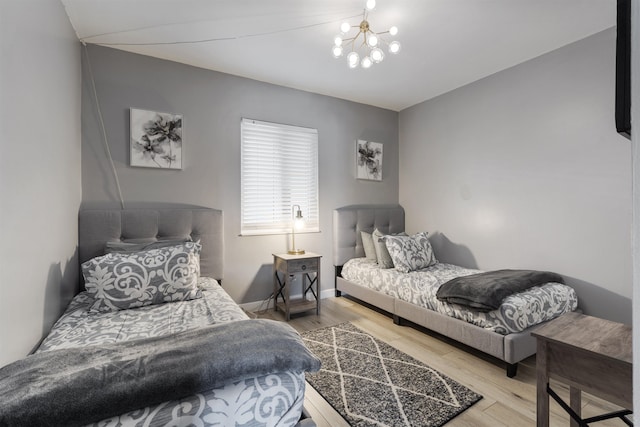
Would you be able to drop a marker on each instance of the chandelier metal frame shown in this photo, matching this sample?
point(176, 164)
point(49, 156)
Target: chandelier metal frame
point(371, 41)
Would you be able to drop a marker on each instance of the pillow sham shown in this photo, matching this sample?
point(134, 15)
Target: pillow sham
point(119, 281)
point(369, 248)
point(410, 253)
point(382, 254)
point(128, 247)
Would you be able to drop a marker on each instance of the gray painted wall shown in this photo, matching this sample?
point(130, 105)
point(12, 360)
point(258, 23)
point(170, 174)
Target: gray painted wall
point(213, 104)
point(524, 169)
point(635, 120)
point(40, 188)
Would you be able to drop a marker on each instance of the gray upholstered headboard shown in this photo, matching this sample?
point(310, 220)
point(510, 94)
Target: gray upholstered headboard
point(349, 221)
point(96, 227)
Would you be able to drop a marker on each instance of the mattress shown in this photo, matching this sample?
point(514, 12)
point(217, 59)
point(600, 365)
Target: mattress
point(516, 313)
point(271, 400)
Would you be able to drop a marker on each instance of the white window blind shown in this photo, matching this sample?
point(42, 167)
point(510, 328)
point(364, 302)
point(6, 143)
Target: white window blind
point(279, 170)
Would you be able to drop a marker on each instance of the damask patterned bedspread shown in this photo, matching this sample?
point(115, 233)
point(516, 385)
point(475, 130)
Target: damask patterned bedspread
point(271, 400)
point(516, 313)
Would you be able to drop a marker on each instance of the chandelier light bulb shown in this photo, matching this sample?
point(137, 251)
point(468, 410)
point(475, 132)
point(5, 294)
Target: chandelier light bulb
point(377, 55)
point(337, 51)
point(366, 62)
point(338, 41)
point(352, 59)
point(345, 27)
point(371, 4)
point(394, 47)
point(372, 40)
point(393, 30)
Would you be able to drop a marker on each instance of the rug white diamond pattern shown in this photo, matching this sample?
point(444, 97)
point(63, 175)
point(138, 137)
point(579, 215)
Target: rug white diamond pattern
point(374, 384)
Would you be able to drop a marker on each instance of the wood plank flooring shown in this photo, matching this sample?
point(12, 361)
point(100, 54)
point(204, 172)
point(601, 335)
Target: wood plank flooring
point(508, 402)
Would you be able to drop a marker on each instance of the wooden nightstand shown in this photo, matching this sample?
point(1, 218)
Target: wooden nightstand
point(586, 353)
point(285, 267)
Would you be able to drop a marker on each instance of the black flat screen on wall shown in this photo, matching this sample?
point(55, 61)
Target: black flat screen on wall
point(623, 68)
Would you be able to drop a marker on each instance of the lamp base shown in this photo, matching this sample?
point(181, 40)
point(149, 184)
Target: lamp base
point(296, 252)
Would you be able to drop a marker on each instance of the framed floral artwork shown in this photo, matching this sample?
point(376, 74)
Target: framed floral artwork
point(156, 139)
point(368, 160)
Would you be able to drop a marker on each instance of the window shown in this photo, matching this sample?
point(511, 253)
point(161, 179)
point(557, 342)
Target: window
point(279, 170)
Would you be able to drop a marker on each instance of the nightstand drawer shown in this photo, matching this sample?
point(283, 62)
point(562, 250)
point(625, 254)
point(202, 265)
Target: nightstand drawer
point(303, 265)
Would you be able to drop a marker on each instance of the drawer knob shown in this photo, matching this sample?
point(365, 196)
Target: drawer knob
point(304, 267)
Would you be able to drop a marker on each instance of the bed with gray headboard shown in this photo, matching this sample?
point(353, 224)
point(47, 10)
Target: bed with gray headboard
point(371, 287)
point(153, 338)
point(96, 227)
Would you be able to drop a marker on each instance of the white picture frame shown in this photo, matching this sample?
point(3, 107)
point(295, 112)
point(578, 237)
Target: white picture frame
point(369, 160)
point(156, 139)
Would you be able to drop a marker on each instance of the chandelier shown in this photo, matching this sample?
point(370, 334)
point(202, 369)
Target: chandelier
point(368, 45)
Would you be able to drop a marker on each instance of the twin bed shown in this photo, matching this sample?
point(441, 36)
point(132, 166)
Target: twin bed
point(157, 356)
point(183, 353)
point(503, 332)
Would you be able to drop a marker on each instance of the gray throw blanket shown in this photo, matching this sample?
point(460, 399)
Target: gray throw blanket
point(75, 386)
point(486, 291)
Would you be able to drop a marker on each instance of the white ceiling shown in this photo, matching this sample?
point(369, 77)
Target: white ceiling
point(445, 43)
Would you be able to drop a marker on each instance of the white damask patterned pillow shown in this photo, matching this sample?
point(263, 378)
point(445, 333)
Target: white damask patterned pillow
point(410, 253)
point(120, 281)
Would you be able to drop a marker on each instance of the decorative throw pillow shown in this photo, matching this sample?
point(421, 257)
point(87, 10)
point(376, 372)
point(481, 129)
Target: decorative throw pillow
point(382, 254)
point(120, 281)
point(410, 253)
point(369, 248)
point(128, 247)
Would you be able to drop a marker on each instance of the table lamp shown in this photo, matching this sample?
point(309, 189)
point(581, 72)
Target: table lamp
point(298, 222)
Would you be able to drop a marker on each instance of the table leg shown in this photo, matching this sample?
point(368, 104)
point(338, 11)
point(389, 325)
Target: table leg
point(275, 287)
point(542, 381)
point(575, 402)
point(318, 289)
point(304, 286)
point(278, 289)
point(287, 286)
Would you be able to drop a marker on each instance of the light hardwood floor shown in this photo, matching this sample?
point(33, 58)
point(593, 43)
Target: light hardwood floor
point(506, 401)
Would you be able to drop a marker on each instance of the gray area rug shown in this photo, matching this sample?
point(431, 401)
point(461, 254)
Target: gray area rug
point(371, 383)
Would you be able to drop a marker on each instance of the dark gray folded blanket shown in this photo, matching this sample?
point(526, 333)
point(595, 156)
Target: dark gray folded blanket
point(486, 291)
point(81, 385)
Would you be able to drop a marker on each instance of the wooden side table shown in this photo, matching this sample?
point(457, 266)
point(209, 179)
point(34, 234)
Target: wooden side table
point(589, 354)
point(285, 268)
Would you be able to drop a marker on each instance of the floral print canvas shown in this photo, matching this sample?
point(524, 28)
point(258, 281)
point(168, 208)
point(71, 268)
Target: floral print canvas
point(369, 160)
point(156, 139)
